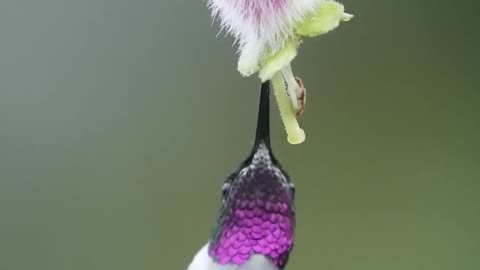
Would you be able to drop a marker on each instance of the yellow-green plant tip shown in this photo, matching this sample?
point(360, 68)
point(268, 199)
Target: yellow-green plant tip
point(297, 138)
point(324, 19)
point(272, 64)
point(295, 135)
point(247, 65)
point(347, 17)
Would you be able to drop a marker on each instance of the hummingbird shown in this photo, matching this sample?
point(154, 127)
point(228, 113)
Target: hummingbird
point(255, 226)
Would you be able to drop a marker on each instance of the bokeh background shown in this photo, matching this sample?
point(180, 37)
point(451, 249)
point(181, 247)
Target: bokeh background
point(119, 121)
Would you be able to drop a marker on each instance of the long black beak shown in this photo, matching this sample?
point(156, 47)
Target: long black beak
point(263, 122)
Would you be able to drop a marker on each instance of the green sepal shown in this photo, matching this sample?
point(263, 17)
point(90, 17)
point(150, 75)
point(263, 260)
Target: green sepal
point(273, 63)
point(324, 19)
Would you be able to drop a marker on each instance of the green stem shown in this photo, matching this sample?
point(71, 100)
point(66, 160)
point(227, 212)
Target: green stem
point(295, 135)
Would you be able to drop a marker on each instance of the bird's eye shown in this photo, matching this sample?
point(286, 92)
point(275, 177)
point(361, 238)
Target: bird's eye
point(225, 189)
point(292, 188)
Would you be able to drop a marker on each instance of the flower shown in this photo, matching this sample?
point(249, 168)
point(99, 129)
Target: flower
point(268, 33)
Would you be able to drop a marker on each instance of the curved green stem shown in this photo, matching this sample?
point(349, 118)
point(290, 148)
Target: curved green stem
point(295, 135)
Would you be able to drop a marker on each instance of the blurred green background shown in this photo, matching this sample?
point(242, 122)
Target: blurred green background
point(119, 121)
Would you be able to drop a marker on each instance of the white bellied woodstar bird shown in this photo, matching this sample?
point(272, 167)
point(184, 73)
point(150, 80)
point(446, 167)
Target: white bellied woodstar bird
point(255, 225)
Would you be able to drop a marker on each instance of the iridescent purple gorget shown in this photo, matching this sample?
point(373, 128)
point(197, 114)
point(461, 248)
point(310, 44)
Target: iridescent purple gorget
point(257, 214)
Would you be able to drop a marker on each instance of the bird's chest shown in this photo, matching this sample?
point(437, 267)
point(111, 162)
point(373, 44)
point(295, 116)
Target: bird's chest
point(203, 261)
point(255, 262)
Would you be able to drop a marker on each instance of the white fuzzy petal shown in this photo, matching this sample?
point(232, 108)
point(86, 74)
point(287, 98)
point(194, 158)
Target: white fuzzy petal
point(271, 28)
